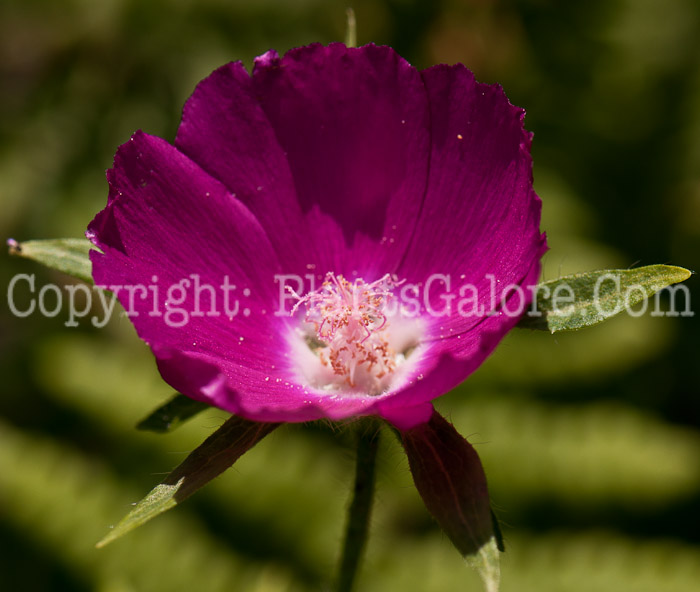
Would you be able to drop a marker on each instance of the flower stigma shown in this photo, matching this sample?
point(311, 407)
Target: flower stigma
point(356, 342)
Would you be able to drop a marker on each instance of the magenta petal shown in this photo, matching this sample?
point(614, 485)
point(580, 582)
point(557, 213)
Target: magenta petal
point(354, 126)
point(480, 220)
point(449, 361)
point(225, 131)
point(266, 394)
point(168, 222)
point(166, 216)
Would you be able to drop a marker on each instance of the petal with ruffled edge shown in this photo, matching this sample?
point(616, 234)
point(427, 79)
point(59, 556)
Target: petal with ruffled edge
point(226, 132)
point(167, 225)
point(170, 231)
point(481, 204)
point(354, 125)
point(445, 364)
point(479, 226)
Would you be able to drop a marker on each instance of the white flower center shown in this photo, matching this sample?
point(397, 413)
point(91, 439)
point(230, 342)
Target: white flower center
point(352, 336)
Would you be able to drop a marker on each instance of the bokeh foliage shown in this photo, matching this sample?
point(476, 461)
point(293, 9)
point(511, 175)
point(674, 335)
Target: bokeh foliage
point(591, 440)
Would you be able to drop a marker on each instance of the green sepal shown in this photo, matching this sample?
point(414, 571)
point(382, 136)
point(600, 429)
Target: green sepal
point(584, 299)
point(68, 255)
point(171, 414)
point(216, 454)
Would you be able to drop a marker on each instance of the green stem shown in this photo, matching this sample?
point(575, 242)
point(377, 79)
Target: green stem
point(360, 507)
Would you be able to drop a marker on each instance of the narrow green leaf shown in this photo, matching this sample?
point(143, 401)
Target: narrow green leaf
point(216, 454)
point(171, 414)
point(585, 299)
point(69, 255)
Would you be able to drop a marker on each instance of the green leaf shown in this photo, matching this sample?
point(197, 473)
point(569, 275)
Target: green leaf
point(585, 299)
point(171, 414)
point(216, 454)
point(68, 255)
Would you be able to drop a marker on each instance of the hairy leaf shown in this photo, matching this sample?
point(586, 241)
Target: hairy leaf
point(68, 255)
point(585, 299)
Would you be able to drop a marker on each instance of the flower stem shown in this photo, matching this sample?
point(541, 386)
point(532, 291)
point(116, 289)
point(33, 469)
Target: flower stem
point(360, 507)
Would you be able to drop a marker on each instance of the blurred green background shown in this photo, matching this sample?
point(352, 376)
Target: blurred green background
point(591, 441)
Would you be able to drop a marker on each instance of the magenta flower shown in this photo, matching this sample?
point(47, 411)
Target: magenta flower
point(337, 234)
